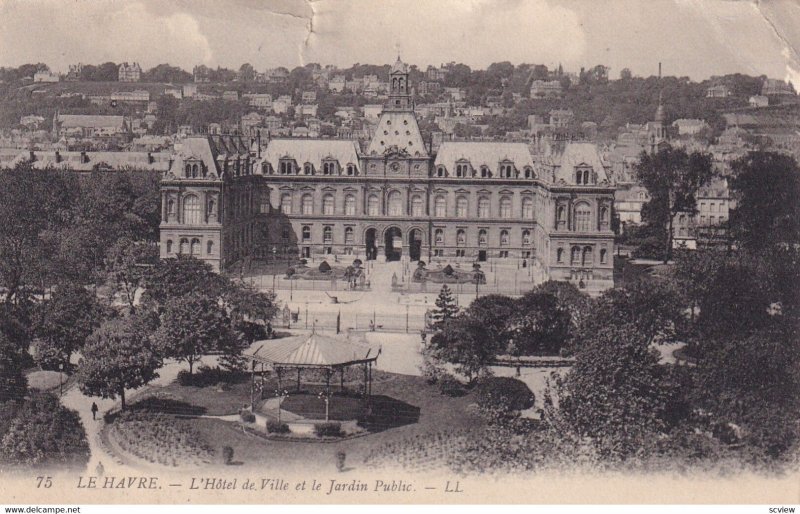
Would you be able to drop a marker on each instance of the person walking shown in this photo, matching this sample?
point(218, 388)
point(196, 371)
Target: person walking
point(94, 411)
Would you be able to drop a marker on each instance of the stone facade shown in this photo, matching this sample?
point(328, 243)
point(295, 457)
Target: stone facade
point(471, 201)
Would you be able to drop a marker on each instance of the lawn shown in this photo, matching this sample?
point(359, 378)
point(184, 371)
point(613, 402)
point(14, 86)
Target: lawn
point(404, 408)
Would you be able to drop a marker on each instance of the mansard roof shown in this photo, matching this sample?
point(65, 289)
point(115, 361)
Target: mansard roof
point(397, 130)
point(483, 153)
point(575, 155)
point(211, 150)
point(311, 150)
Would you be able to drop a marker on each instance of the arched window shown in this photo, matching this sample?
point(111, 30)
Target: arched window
point(440, 206)
point(439, 236)
point(583, 217)
point(307, 204)
point(395, 204)
point(462, 170)
point(417, 207)
point(527, 208)
point(586, 176)
point(170, 206)
point(327, 205)
point(210, 247)
point(485, 173)
point(529, 172)
point(308, 169)
point(350, 205)
point(560, 255)
point(576, 255)
point(184, 248)
point(169, 245)
point(191, 210)
point(351, 170)
point(482, 237)
point(560, 213)
point(211, 206)
point(194, 171)
point(188, 170)
point(483, 207)
point(505, 207)
point(306, 233)
point(603, 213)
point(327, 234)
point(373, 205)
point(603, 256)
point(461, 237)
point(286, 203)
point(587, 256)
point(526, 237)
point(579, 177)
point(440, 171)
point(462, 206)
point(504, 238)
point(348, 235)
point(506, 170)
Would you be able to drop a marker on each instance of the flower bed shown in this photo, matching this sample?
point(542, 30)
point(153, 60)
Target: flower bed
point(161, 439)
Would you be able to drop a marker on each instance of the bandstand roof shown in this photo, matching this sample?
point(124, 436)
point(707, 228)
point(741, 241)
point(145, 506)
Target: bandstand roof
point(311, 350)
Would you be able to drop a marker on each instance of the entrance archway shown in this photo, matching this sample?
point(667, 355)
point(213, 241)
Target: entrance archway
point(415, 244)
point(371, 249)
point(393, 239)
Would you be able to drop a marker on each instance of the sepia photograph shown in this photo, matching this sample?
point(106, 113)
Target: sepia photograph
point(288, 252)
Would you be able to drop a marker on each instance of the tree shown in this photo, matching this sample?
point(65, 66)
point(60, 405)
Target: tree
point(654, 307)
point(247, 73)
point(672, 177)
point(577, 303)
point(463, 342)
point(127, 263)
point(171, 278)
point(33, 203)
point(614, 393)
point(191, 326)
point(13, 383)
point(494, 312)
point(117, 356)
point(767, 186)
point(625, 74)
point(68, 318)
point(446, 307)
point(539, 325)
point(753, 381)
point(44, 433)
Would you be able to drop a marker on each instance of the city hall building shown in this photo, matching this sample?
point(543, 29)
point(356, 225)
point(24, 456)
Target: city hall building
point(392, 200)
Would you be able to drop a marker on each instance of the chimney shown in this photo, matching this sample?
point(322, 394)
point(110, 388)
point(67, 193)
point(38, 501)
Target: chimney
point(659, 70)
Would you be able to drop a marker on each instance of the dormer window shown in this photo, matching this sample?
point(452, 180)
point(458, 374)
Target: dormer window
point(329, 167)
point(193, 169)
point(528, 172)
point(351, 170)
point(583, 176)
point(441, 171)
point(485, 173)
point(286, 167)
point(308, 169)
point(506, 169)
point(462, 169)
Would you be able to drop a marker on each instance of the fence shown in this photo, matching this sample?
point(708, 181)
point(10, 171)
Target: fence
point(330, 321)
point(281, 283)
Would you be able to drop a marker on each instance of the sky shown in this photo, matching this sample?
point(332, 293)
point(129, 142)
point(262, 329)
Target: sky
point(695, 38)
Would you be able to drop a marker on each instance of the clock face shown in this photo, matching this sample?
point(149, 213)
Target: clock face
point(394, 166)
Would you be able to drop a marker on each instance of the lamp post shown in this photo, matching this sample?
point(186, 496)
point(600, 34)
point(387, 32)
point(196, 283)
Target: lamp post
point(281, 395)
point(326, 397)
point(61, 379)
point(406, 318)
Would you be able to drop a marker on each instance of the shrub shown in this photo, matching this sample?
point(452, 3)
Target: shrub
point(328, 429)
point(324, 267)
point(448, 270)
point(450, 385)
point(340, 460)
point(273, 427)
point(227, 455)
point(290, 272)
point(505, 394)
point(247, 416)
